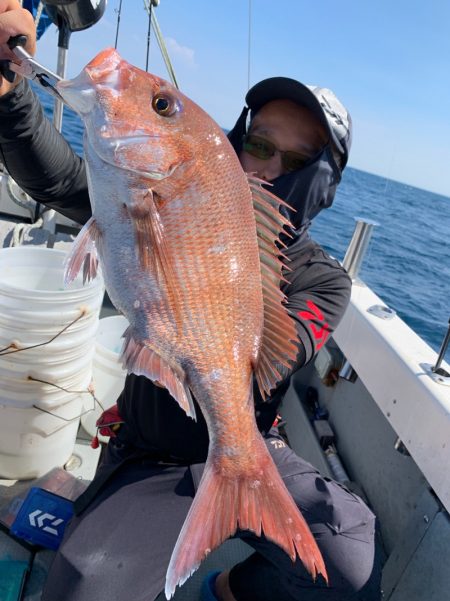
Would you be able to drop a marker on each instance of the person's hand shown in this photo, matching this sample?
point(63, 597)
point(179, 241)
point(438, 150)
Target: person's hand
point(222, 586)
point(14, 20)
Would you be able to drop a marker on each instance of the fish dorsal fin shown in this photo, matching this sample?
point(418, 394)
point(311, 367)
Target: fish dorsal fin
point(279, 339)
point(83, 254)
point(143, 361)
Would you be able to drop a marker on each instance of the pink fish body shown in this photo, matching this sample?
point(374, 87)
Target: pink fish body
point(187, 250)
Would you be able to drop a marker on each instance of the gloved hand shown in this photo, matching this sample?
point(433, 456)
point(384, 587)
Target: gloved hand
point(14, 20)
point(107, 424)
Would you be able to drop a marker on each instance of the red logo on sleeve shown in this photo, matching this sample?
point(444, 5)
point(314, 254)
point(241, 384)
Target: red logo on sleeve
point(317, 324)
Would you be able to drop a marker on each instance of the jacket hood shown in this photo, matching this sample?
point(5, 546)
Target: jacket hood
point(307, 191)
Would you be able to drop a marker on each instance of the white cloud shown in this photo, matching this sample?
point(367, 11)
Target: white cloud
point(183, 53)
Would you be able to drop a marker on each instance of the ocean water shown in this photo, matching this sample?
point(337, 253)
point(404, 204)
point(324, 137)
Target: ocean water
point(408, 260)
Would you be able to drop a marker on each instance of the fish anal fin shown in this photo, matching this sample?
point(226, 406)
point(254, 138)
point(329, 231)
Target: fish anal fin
point(257, 501)
point(83, 254)
point(143, 361)
point(280, 337)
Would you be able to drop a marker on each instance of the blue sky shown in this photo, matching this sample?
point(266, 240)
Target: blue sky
point(388, 62)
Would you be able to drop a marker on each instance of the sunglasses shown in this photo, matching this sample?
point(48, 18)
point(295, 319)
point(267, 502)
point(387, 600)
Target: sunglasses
point(264, 150)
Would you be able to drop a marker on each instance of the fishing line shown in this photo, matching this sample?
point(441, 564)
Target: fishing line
point(5, 351)
point(119, 12)
point(150, 13)
point(249, 41)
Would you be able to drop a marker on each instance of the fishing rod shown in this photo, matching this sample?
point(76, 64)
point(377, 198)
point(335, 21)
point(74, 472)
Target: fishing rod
point(149, 8)
point(119, 12)
point(160, 40)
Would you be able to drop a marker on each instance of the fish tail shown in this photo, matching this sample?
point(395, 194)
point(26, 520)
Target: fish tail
point(223, 504)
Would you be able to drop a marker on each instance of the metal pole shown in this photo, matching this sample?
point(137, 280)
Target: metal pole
point(358, 246)
point(61, 71)
point(49, 216)
point(443, 350)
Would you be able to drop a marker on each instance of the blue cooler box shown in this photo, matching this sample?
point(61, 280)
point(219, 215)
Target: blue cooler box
point(42, 518)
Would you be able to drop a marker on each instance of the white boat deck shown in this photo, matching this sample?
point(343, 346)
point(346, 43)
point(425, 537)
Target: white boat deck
point(395, 366)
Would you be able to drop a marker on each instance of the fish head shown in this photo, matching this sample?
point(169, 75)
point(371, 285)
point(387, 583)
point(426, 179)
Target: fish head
point(137, 121)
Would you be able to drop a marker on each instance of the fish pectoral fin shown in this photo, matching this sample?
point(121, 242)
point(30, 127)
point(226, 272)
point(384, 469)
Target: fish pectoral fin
point(83, 254)
point(259, 503)
point(279, 344)
point(152, 248)
point(143, 361)
point(151, 244)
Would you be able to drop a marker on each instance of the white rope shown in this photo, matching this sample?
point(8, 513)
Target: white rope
point(40, 7)
point(38, 13)
point(21, 230)
point(18, 234)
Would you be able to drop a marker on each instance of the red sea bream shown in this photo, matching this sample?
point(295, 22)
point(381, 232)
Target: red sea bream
point(186, 243)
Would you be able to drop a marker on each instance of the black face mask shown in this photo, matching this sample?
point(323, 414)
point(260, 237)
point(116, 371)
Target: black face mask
point(308, 190)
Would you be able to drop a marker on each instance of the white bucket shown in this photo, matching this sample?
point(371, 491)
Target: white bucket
point(35, 308)
point(38, 273)
point(108, 375)
point(44, 384)
point(33, 442)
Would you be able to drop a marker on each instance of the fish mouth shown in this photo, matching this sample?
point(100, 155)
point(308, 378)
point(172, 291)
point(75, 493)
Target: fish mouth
point(115, 146)
point(77, 94)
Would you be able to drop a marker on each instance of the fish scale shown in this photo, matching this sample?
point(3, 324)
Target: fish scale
point(188, 246)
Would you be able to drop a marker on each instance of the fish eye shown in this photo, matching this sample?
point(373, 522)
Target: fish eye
point(164, 105)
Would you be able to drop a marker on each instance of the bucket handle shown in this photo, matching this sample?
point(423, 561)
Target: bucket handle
point(90, 391)
point(14, 348)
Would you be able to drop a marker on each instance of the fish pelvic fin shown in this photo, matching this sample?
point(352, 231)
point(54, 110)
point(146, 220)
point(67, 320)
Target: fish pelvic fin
point(143, 361)
point(224, 503)
point(83, 254)
point(279, 344)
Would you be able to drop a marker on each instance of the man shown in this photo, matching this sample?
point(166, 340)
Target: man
point(119, 544)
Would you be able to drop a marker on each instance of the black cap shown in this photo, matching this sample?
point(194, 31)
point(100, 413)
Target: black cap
point(320, 101)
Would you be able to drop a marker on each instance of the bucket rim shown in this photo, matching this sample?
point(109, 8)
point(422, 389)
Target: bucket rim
point(97, 282)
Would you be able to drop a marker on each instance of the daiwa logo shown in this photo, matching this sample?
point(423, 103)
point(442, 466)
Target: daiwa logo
point(38, 518)
point(317, 324)
point(42, 518)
